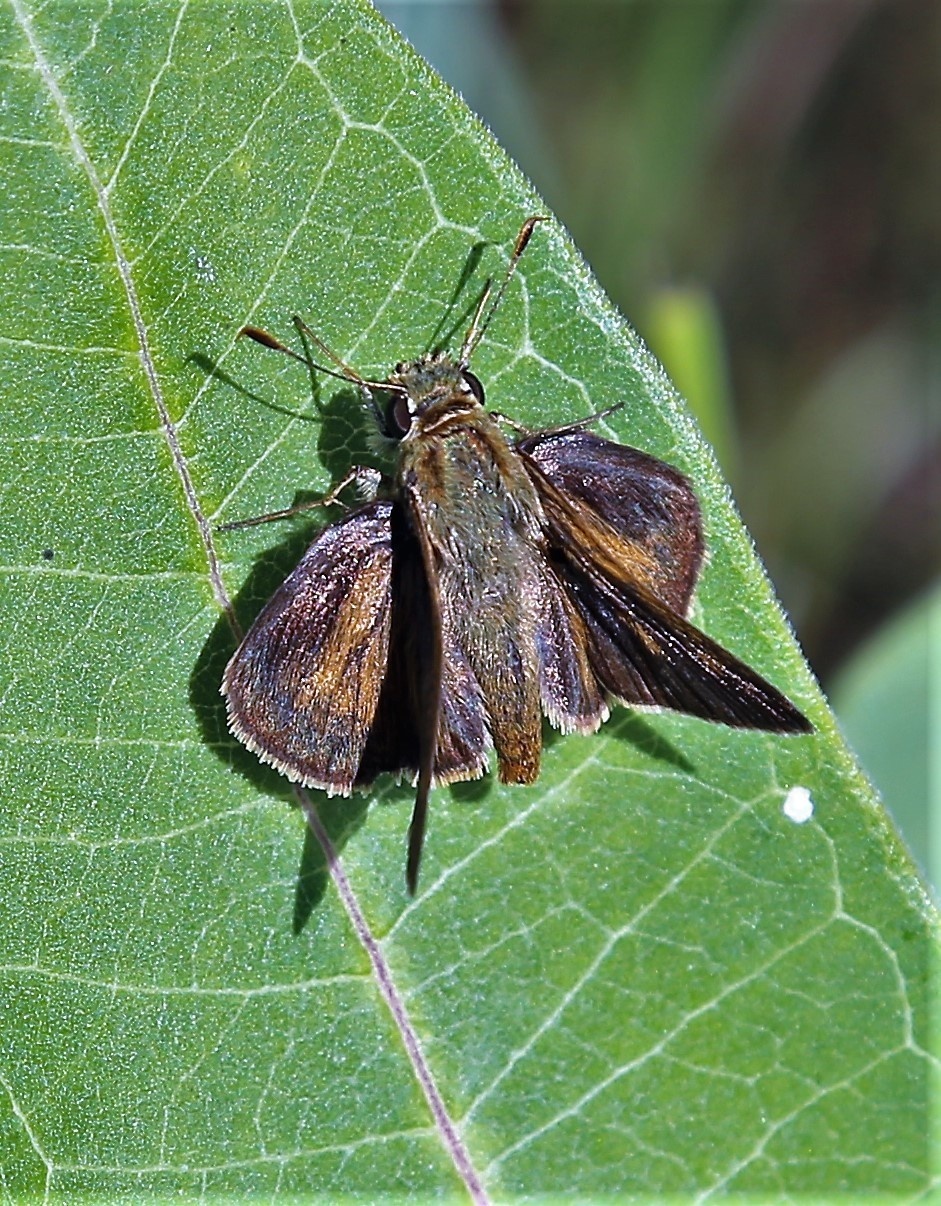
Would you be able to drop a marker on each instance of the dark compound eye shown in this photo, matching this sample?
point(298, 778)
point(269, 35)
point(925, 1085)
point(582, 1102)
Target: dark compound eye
point(398, 417)
point(473, 382)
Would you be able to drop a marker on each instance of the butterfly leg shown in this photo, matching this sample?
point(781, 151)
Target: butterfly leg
point(519, 428)
point(367, 480)
point(582, 424)
point(563, 429)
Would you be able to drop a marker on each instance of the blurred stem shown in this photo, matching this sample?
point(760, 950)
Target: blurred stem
point(685, 332)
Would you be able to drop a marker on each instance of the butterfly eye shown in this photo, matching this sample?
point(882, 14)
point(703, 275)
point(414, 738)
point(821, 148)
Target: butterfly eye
point(473, 383)
point(398, 416)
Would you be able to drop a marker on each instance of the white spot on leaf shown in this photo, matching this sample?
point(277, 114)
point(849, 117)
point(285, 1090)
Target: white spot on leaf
point(798, 806)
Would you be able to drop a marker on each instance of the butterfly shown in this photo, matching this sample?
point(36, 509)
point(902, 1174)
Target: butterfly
point(497, 577)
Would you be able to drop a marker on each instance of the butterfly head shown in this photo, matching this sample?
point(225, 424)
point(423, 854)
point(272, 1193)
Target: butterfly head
point(434, 381)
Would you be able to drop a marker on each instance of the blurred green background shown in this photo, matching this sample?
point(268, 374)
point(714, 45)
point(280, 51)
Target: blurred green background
point(757, 185)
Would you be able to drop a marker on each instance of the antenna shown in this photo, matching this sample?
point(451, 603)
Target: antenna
point(346, 372)
point(479, 325)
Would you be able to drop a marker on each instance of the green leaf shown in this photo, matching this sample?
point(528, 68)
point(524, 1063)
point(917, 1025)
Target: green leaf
point(636, 976)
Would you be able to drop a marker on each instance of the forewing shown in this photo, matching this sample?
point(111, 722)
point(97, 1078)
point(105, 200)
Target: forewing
point(394, 740)
point(428, 697)
point(649, 504)
point(429, 720)
point(302, 688)
point(642, 651)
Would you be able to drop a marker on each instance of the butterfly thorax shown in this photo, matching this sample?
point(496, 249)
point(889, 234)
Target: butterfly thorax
point(455, 454)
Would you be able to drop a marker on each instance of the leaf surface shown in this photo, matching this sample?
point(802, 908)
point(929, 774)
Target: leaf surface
point(636, 976)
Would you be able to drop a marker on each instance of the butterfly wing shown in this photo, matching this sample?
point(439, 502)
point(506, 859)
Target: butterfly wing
point(571, 696)
point(454, 732)
point(649, 503)
point(641, 648)
point(429, 720)
point(302, 688)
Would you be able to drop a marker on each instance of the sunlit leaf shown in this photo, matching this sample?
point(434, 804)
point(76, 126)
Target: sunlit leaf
point(636, 976)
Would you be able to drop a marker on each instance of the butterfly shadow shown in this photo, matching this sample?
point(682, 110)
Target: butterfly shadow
point(633, 728)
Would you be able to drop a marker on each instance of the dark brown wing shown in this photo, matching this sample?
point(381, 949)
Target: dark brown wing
point(641, 650)
point(571, 695)
point(393, 742)
point(302, 688)
point(430, 719)
point(649, 503)
point(428, 701)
